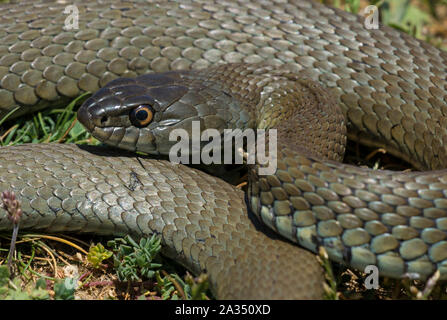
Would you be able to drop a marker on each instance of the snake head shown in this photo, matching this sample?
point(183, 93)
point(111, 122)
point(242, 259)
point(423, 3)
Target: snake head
point(138, 114)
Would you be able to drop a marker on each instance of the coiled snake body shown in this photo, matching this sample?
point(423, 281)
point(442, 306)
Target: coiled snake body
point(392, 93)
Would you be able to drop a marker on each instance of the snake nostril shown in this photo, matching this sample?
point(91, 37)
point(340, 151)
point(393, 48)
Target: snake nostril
point(104, 120)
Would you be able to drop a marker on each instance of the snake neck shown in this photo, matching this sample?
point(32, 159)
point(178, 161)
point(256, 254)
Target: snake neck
point(306, 117)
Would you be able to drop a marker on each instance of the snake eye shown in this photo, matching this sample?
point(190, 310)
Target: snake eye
point(142, 115)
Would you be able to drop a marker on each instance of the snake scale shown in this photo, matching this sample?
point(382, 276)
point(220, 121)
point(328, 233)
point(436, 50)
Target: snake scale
point(252, 58)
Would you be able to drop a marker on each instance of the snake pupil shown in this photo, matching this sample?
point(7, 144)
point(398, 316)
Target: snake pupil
point(141, 115)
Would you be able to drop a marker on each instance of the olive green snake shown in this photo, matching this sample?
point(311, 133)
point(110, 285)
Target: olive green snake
point(391, 89)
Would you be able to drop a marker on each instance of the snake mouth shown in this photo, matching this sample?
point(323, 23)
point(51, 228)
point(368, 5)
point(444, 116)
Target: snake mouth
point(125, 137)
point(88, 121)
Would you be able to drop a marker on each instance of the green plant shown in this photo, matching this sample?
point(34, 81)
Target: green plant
point(166, 287)
point(404, 16)
point(171, 286)
point(56, 125)
point(134, 261)
point(97, 254)
point(65, 289)
point(196, 288)
point(12, 289)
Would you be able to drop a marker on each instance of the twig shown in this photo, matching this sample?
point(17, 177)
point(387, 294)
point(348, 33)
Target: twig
point(44, 236)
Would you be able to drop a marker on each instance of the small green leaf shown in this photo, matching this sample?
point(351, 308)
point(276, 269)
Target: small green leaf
point(64, 290)
point(196, 288)
point(135, 260)
point(77, 130)
point(4, 275)
point(41, 284)
point(97, 254)
point(39, 294)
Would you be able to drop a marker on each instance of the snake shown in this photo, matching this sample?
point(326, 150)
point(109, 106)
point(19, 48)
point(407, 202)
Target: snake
point(316, 74)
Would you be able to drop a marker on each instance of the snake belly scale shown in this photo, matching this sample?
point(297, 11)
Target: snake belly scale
point(391, 89)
